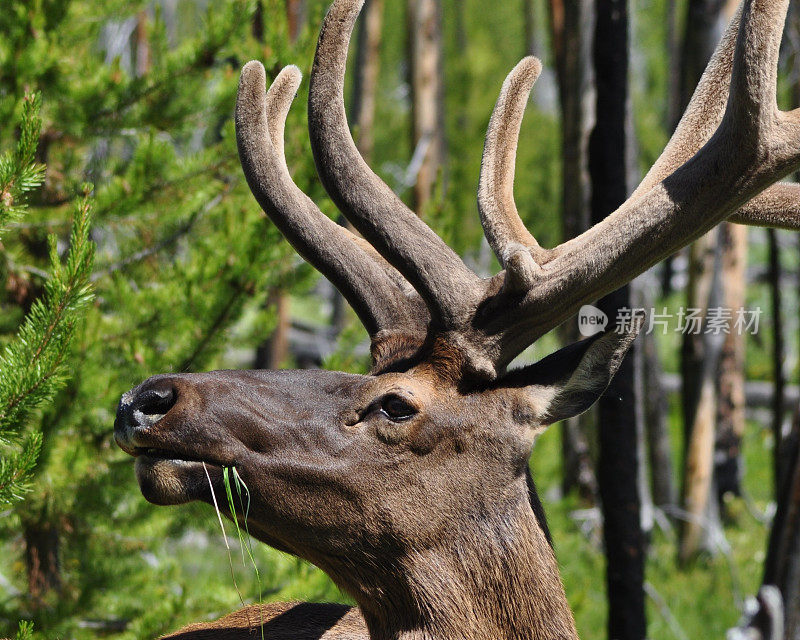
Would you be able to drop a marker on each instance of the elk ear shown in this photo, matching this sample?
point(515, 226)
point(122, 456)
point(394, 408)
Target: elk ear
point(568, 382)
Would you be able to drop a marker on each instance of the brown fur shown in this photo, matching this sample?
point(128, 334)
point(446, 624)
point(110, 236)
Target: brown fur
point(281, 621)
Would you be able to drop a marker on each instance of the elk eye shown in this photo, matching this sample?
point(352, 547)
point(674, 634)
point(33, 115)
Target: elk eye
point(397, 408)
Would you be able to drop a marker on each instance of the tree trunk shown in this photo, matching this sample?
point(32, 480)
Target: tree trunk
point(427, 93)
point(701, 525)
point(731, 405)
point(778, 354)
point(699, 39)
point(142, 57)
point(296, 17)
point(674, 112)
point(366, 77)
point(274, 352)
point(665, 493)
point(531, 44)
point(702, 258)
point(571, 29)
point(42, 557)
point(640, 300)
point(618, 464)
point(257, 24)
point(782, 567)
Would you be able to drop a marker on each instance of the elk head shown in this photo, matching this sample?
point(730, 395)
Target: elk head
point(396, 481)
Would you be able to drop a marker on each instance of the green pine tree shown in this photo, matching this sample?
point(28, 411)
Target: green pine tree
point(35, 363)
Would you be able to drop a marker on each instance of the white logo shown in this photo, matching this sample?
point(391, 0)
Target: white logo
point(591, 321)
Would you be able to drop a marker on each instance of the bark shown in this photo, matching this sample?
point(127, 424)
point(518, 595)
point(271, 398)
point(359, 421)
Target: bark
point(698, 478)
point(142, 45)
point(42, 561)
point(778, 354)
point(699, 39)
point(665, 493)
point(702, 257)
point(257, 25)
point(646, 510)
point(701, 525)
point(570, 26)
point(274, 352)
point(296, 17)
point(674, 111)
point(731, 405)
point(427, 93)
point(618, 463)
point(704, 26)
point(782, 567)
point(366, 77)
point(578, 467)
point(531, 43)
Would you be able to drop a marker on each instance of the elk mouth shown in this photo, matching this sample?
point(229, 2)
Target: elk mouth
point(168, 477)
point(147, 454)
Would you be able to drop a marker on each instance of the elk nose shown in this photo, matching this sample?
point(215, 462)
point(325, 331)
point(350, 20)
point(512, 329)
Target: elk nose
point(142, 408)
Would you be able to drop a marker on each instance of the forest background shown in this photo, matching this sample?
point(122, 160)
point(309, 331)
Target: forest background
point(130, 246)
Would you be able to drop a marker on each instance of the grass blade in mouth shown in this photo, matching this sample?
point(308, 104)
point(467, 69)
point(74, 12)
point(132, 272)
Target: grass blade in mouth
point(222, 526)
point(244, 541)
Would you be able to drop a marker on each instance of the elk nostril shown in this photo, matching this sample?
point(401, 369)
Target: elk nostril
point(154, 402)
point(144, 409)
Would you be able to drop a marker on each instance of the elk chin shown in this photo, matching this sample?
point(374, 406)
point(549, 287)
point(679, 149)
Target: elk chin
point(167, 482)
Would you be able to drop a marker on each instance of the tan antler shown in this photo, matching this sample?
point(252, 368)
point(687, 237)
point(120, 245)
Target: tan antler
point(382, 299)
point(731, 145)
point(450, 289)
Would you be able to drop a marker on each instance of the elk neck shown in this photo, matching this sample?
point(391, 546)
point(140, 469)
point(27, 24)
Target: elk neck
point(494, 577)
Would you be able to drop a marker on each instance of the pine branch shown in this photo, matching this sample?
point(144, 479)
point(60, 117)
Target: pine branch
point(19, 173)
point(34, 365)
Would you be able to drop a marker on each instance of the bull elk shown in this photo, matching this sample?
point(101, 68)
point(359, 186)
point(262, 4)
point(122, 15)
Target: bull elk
point(410, 486)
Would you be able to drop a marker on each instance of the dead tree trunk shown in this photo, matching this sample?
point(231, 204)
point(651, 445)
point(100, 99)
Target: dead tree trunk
point(427, 93)
point(531, 44)
point(618, 464)
point(571, 29)
point(731, 404)
point(782, 567)
point(274, 352)
point(296, 17)
point(778, 354)
point(366, 77)
point(42, 555)
point(665, 493)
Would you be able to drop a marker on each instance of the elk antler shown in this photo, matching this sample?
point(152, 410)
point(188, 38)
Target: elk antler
point(448, 287)
point(382, 299)
point(731, 145)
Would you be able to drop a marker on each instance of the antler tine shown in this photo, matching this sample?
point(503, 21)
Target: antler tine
point(369, 286)
point(779, 205)
point(752, 104)
point(514, 246)
point(448, 287)
point(704, 112)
